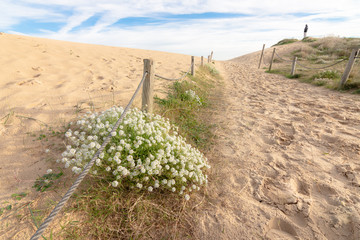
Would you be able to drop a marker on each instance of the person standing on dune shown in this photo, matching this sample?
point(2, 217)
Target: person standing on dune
point(305, 30)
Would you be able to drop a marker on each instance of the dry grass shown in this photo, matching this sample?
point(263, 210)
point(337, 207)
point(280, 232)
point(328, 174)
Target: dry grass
point(124, 213)
point(319, 53)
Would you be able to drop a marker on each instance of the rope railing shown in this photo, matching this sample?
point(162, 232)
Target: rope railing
point(175, 79)
point(320, 68)
point(266, 64)
point(87, 168)
point(351, 60)
point(282, 58)
point(146, 106)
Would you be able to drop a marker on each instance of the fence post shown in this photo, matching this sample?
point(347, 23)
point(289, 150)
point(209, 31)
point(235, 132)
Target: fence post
point(147, 92)
point(293, 66)
point(208, 58)
point(211, 55)
point(262, 53)
point(272, 59)
point(349, 66)
point(202, 61)
point(192, 66)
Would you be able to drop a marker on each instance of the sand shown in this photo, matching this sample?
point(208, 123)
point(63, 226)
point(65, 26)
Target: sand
point(285, 164)
point(47, 83)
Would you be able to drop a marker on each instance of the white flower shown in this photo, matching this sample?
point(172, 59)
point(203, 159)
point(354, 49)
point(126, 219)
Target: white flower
point(76, 170)
point(47, 150)
point(187, 197)
point(115, 183)
point(145, 150)
point(49, 171)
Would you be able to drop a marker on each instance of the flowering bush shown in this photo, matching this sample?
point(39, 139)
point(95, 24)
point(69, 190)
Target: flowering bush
point(145, 152)
point(192, 96)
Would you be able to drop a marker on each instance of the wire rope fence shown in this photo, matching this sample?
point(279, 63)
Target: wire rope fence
point(351, 60)
point(321, 68)
point(86, 169)
point(147, 98)
point(176, 79)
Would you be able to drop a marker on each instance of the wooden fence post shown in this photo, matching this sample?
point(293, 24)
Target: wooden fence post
point(262, 53)
point(147, 92)
point(349, 66)
point(208, 58)
point(211, 55)
point(293, 66)
point(272, 59)
point(202, 61)
point(192, 66)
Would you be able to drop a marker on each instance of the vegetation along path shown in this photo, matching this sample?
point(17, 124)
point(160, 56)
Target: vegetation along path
point(286, 163)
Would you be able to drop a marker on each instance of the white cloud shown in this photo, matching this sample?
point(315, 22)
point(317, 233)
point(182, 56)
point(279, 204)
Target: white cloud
point(267, 22)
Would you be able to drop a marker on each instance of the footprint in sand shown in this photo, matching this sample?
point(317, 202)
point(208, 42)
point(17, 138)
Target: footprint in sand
point(327, 193)
point(281, 229)
point(288, 194)
point(29, 82)
point(284, 134)
point(37, 69)
point(349, 173)
point(279, 191)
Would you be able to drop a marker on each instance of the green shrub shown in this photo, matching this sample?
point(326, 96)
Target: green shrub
point(309, 39)
point(286, 41)
point(297, 75)
point(145, 152)
point(326, 74)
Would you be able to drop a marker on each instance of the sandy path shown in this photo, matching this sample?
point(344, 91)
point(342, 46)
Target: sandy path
point(286, 165)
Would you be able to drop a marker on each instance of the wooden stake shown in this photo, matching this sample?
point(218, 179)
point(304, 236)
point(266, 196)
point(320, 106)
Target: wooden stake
point(192, 66)
point(208, 58)
point(262, 53)
point(349, 66)
point(293, 66)
point(211, 55)
point(147, 92)
point(272, 59)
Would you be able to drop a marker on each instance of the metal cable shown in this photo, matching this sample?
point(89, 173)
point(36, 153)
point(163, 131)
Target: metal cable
point(72, 189)
point(175, 79)
point(320, 67)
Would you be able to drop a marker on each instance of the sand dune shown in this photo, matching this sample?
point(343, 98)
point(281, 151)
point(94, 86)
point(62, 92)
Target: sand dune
point(47, 82)
point(285, 165)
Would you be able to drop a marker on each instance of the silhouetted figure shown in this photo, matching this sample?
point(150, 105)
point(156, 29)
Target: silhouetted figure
point(305, 30)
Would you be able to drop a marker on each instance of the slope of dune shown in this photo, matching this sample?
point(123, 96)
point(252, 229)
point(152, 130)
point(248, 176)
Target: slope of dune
point(46, 83)
point(287, 161)
point(285, 164)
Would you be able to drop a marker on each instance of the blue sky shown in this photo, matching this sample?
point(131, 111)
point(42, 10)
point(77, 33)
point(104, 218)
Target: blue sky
point(194, 27)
